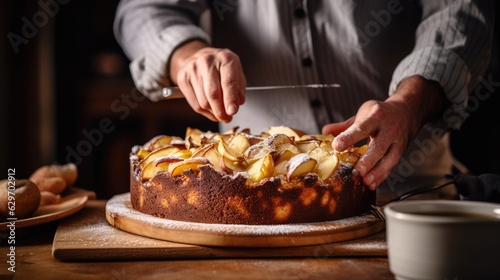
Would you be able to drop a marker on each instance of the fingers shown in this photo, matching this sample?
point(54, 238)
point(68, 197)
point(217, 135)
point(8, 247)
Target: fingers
point(387, 138)
point(242, 91)
point(213, 83)
point(194, 94)
point(377, 162)
point(194, 102)
point(357, 131)
point(337, 128)
point(211, 92)
point(231, 83)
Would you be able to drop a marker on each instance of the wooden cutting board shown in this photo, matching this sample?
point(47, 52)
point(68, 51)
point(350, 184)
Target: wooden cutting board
point(121, 214)
point(88, 236)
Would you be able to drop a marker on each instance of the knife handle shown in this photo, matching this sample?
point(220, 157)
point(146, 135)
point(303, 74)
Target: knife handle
point(165, 93)
point(171, 93)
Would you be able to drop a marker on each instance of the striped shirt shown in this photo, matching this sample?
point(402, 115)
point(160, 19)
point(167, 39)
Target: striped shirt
point(368, 47)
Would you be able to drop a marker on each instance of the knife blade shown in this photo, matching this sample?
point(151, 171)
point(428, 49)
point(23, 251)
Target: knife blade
point(175, 92)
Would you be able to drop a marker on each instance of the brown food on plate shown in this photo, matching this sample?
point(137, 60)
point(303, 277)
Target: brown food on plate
point(48, 198)
point(24, 201)
point(281, 176)
point(55, 178)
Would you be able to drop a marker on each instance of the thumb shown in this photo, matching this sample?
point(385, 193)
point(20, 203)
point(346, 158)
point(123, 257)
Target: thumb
point(337, 128)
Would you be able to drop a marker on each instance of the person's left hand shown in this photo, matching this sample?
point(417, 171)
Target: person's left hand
point(388, 125)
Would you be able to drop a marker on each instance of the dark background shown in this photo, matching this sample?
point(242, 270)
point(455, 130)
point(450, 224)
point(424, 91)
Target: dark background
point(67, 95)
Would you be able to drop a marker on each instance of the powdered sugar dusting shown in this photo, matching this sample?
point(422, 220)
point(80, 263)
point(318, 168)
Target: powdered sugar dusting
point(120, 206)
point(95, 232)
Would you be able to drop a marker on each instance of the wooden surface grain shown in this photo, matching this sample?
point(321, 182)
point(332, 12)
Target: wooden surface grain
point(34, 260)
point(88, 236)
point(121, 214)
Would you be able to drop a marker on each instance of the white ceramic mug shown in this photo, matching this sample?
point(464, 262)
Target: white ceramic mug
point(435, 239)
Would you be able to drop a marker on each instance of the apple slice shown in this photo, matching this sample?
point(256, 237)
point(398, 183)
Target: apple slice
point(178, 168)
point(254, 139)
point(255, 152)
point(320, 137)
point(142, 153)
point(284, 155)
point(307, 145)
point(232, 153)
point(319, 153)
point(222, 137)
point(290, 132)
point(229, 166)
point(159, 164)
point(183, 154)
point(193, 136)
point(209, 139)
point(361, 149)
point(192, 142)
point(232, 130)
point(277, 140)
point(149, 145)
point(290, 147)
point(280, 168)
point(200, 151)
point(213, 157)
point(348, 157)
point(327, 145)
point(300, 165)
point(245, 131)
point(161, 152)
point(327, 166)
point(210, 153)
point(238, 143)
point(264, 135)
point(325, 137)
point(193, 132)
point(226, 151)
point(262, 168)
point(162, 141)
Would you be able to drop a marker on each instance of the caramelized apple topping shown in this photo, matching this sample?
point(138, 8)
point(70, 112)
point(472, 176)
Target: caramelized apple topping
point(280, 152)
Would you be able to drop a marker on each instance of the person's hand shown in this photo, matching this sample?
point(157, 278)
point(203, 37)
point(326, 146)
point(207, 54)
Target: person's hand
point(389, 126)
point(211, 79)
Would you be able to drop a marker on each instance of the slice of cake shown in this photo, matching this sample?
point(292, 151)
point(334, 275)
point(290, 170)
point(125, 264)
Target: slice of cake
point(278, 177)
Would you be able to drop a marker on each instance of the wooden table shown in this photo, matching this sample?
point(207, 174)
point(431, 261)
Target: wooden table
point(34, 261)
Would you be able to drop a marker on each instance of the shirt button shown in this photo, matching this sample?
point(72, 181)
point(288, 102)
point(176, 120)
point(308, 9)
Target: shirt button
point(315, 103)
point(307, 62)
point(299, 13)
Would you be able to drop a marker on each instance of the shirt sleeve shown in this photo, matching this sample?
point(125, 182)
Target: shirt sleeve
point(452, 47)
point(149, 31)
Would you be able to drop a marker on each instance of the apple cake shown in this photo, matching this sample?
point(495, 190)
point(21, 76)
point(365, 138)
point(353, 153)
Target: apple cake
point(281, 176)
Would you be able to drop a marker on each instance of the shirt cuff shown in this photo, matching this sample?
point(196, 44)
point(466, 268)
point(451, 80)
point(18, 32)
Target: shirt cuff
point(149, 70)
point(445, 67)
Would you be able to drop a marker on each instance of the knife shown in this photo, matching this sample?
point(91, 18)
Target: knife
point(175, 92)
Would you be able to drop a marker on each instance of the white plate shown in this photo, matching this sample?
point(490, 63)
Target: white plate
point(72, 201)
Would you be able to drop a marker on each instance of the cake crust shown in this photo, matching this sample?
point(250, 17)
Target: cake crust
point(208, 195)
